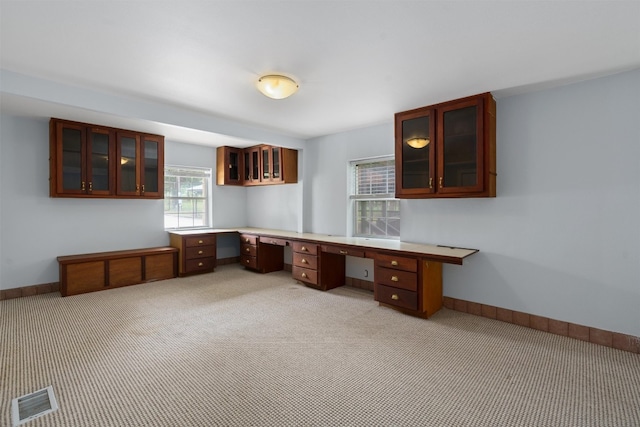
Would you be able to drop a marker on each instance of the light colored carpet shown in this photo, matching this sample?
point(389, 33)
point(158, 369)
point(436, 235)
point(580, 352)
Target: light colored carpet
point(235, 348)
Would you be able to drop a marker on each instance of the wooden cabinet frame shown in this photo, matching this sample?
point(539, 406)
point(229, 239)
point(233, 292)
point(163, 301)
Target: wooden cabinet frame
point(254, 169)
point(141, 188)
point(485, 153)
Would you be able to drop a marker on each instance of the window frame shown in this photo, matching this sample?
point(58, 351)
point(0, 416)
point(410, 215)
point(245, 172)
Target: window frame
point(198, 172)
point(353, 198)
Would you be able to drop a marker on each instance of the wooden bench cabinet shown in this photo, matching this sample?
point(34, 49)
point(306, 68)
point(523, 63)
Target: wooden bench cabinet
point(105, 270)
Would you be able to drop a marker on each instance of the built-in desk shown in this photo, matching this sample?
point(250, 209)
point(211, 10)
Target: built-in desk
point(407, 276)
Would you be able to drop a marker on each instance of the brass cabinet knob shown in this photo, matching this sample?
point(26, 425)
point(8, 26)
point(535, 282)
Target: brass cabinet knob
point(394, 262)
point(344, 252)
point(248, 261)
point(200, 264)
point(394, 278)
point(247, 250)
point(246, 240)
point(304, 275)
point(395, 297)
point(200, 242)
point(303, 249)
point(303, 261)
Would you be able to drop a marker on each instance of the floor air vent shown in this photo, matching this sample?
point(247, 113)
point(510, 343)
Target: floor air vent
point(33, 405)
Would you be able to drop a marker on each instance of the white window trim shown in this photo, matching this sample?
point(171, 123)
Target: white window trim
point(209, 195)
point(351, 198)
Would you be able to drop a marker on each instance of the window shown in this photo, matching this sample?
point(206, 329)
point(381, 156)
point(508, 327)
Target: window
point(186, 197)
point(376, 211)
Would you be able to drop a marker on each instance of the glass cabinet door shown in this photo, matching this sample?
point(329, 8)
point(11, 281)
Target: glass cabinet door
point(71, 159)
point(98, 171)
point(234, 165)
point(276, 164)
point(247, 167)
point(415, 146)
point(460, 159)
point(255, 166)
point(127, 158)
point(152, 162)
point(266, 163)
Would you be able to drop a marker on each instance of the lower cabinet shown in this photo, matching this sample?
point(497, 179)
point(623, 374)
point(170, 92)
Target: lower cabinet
point(409, 284)
point(105, 270)
point(197, 252)
point(261, 254)
point(316, 267)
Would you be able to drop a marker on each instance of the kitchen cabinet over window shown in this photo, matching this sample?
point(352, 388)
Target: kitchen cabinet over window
point(447, 150)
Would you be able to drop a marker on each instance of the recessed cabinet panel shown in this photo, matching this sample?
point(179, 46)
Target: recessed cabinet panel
point(447, 150)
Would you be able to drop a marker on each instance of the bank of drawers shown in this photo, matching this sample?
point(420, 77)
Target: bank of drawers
point(396, 281)
point(249, 251)
point(305, 262)
point(197, 254)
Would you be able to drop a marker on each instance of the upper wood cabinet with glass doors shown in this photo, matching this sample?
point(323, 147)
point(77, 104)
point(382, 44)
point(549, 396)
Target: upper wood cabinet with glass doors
point(260, 165)
point(98, 161)
point(447, 150)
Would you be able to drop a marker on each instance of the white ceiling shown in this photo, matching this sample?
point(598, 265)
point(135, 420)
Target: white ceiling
point(357, 62)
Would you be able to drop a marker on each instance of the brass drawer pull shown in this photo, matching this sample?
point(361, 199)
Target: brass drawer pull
point(394, 263)
point(303, 261)
point(303, 249)
point(200, 264)
point(344, 252)
point(304, 275)
point(200, 242)
point(394, 278)
point(395, 297)
point(247, 250)
point(246, 240)
point(248, 261)
point(200, 252)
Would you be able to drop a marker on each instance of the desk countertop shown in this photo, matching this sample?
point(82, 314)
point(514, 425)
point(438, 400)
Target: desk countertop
point(446, 254)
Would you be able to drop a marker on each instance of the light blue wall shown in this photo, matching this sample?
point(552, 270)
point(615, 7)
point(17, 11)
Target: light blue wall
point(562, 239)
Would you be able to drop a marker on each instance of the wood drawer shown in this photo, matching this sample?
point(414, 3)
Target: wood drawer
point(305, 247)
point(396, 297)
point(397, 262)
point(305, 261)
point(204, 240)
point(274, 241)
point(250, 250)
point(396, 278)
point(249, 239)
point(249, 261)
point(305, 275)
point(343, 250)
point(200, 252)
point(199, 264)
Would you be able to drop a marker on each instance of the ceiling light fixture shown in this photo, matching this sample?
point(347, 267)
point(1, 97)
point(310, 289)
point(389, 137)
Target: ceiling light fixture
point(418, 142)
point(277, 87)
